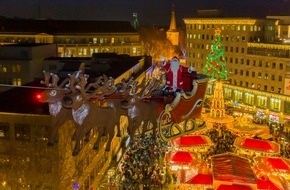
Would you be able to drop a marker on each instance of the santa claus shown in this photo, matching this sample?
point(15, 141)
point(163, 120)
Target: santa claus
point(174, 71)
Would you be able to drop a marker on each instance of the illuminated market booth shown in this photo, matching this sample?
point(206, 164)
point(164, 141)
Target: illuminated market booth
point(192, 143)
point(255, 147)
point(232, 170)
point(272, 172)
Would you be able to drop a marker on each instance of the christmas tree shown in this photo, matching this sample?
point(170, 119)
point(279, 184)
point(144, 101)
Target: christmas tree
point(215, 66)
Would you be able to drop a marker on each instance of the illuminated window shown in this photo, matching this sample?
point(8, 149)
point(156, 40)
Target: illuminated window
point(91, 51)
point(275, 104)
point(42, 133)
point(4, 131)
point(22, 132)
point(244, 27)
point(101, 40)
point(259, 75)
point(16, 82)
point(262, 101)
point(84, 51)
point(112, 40)
point(80, 51)
point(238, 27)
point(95, 40)
point(134, 50)
point(249, 98)
point(266, 76)
point(238, 95)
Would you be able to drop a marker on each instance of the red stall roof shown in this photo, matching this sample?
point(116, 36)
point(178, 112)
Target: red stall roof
point(258, 145)
point(191, 140)
point(179, 157)
point(234, 187)
point(202, 179)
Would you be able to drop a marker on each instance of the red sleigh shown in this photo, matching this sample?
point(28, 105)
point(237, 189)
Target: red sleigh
point(182, 115)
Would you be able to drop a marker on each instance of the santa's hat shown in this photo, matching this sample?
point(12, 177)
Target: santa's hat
point(175, 58)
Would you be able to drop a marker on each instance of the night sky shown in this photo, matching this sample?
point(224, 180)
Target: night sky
point(149, 11)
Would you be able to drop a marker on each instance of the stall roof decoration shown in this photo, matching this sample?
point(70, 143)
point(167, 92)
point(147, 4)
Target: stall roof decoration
point(202, 179)
point(257, 145)
point(179, 157)
point(234, 187)
point(232, 168)
point(191, 140)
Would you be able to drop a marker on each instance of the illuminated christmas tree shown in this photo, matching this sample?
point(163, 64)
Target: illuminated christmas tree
point(215, 66)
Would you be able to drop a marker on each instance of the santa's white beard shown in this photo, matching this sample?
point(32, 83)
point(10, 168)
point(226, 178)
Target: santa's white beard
point(174, 66)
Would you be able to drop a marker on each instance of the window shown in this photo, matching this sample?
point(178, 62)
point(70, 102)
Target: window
point(22, 132)
point(247, 73)
point(281, 66)
point(280, 78)
point(253, 74)
point(248, 62)
point(237, 49)
point(249, 98)
point(262, 101)
point(241, 72)
point(254, 62)
point(272, 77)
point(4, 131)
point(275, 104)
point(243, 38)
point(266, 76)
point(260, 64)
point(259, 75)
point(267, 65)
point(42, 133)
point(273, 65)
point(232, 49)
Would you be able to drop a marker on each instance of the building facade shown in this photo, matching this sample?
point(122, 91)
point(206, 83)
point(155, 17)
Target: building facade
point(257, 60)
point(73, 38)
point(22, 63)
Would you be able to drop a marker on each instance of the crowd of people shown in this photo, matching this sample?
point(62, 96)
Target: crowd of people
point(222, 138)
point(143, 164)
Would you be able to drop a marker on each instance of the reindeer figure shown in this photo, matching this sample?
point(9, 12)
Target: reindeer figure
point(140, 108)
point(115, 101)
point(88, 115)
point(54, 97)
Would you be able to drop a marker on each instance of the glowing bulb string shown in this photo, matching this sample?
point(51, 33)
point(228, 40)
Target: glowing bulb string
point(35, 87)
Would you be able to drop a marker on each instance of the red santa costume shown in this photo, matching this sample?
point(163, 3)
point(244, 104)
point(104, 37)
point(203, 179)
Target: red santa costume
point(174, 70)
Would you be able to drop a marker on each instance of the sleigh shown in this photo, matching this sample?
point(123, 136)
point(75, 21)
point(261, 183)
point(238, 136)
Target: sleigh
point(177, 113)
point(182, 115)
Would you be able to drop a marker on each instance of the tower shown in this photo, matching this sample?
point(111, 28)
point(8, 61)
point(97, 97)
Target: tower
point(135, 21)
point(172, 34)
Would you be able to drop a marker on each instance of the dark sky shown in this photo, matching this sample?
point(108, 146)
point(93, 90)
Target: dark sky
point(149, 11)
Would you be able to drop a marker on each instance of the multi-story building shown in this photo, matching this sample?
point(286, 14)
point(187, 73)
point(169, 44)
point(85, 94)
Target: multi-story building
point(27, 163)
point(22, 63)
point(257, 59)
point(74, 38)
